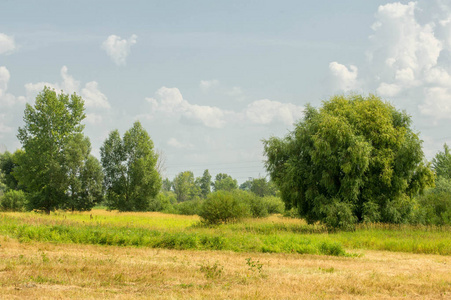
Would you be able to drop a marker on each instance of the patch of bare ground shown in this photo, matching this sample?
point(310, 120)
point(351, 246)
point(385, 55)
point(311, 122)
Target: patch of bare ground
point(47, 271)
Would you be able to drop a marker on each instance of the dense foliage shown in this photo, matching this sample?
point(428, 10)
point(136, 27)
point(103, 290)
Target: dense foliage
point(129, 164)
point(355, 159)
point(55, 166)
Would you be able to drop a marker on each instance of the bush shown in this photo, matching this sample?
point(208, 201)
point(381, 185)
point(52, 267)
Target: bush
point(223, 207)
point(164, 201)
point(434, 207)
point(13, 201)
point(338, 215)
point(274, 205)
point(189, 207)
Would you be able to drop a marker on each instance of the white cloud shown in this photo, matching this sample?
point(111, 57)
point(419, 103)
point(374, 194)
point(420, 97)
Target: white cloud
point(93, 97)
point(118, 49)
point(409, 57)
point(266, 111)
point(206, 85)
point(437, 103)
point(170, 101)
point(6, 98)
point(7, 44)
point(93, 118)
point(176, 144)
point(345, 78)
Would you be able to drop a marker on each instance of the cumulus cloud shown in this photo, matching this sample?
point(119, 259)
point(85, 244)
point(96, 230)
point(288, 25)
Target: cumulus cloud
point(7, 99)
point(437, 103)
point(344, 78)
point(409, 57)
point(7, 44)
point(170, 101)
point(118, 49)
point(266, 111)
point(93, 96)
point(95, 101)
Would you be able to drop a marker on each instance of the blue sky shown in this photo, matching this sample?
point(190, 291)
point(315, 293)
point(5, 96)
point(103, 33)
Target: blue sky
point(210, 79)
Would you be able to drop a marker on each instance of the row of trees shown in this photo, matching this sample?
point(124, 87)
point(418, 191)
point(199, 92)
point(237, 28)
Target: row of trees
point(55, 170)
point(187, 187)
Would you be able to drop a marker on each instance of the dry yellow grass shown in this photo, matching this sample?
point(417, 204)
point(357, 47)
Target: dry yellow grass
point(44, 270)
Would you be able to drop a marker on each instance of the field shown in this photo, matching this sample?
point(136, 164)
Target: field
point(104, 254)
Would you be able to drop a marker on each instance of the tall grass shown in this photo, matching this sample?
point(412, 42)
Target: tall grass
point(270, 235)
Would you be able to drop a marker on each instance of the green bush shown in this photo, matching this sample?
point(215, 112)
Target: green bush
point(338, 215)
point(164, 201)
point(223, 207)
point(189, 207)
point(434, 207)
point(274, 205)
point(13, 201)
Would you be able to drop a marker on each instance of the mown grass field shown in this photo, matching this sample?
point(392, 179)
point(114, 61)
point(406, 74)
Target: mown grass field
point(104, 254)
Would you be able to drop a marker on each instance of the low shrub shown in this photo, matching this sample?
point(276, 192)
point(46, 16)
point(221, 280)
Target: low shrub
point(189, 207)
point(13, 201)
point(223, 207)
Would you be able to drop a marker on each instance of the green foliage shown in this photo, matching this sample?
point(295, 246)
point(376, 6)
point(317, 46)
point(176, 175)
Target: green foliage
point(352, 151)
point(129, 164)
point(85, 176)
point(275, 235)
point(51, 128)
point(164, 201)
point(442, 163)
point(224, 182)
point(205, 184)
point(13, 200)
point(223, 207)
point(7, 165)
point(185, 186)
point(274, 205)
point(190, 207)
point(434, 207)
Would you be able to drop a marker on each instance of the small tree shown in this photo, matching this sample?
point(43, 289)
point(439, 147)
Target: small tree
point(129, 164)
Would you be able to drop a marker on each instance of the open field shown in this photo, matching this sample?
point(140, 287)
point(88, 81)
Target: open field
point(100, 255)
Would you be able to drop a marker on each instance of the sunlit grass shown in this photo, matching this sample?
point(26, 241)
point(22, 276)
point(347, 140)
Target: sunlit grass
point(275, 234)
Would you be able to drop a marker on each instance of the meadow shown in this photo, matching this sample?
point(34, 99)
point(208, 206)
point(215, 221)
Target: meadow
point(102, 254)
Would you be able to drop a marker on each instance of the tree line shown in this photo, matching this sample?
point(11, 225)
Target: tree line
point(355, 159)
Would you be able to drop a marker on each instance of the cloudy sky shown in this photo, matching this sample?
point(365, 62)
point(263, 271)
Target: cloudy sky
point(210, 79)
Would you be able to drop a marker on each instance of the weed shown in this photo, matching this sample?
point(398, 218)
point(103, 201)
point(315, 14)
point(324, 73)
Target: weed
point(212, 271)
point(254, 266)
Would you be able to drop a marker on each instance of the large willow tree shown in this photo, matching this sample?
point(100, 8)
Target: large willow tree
point(355, 159)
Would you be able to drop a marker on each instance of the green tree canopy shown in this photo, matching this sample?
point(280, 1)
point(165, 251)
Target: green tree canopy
point(185, 186)
point(224, 182)
point(354, 159)
point(205, 184)
point(442, 163)
point(7, 166)
point(129, 164)
point(51, 125)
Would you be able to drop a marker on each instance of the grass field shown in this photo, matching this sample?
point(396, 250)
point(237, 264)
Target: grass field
point(104, 254)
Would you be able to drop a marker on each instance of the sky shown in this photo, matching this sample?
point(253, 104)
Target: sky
point(209, 80)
